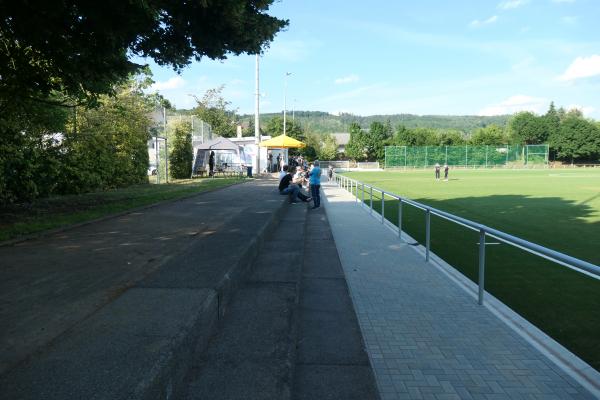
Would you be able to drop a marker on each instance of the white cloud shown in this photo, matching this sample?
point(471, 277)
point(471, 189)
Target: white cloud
point(563, 1)
point(476, 23)
point(585, 110)
point(515, 104)
point(510, 4)
point(170, 84)
point(582, 67)
point(346, 79)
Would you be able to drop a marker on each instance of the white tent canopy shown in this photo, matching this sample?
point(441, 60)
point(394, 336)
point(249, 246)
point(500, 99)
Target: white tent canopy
point(226, 153)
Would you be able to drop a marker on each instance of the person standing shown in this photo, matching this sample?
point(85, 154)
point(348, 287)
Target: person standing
point(315, 185)
point(437, 171)
point(446, 172)
point(330, 172)
point(270, 162)
point(211, 164)
point(279, 163)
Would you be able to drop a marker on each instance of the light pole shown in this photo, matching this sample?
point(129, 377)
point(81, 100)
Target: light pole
point(257, 120)
point(166, 149)
point(285, 99)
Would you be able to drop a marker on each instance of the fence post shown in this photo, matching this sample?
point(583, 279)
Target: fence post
point(356, 197)
point(382, 206)
point(400, 218)
point(427, 233)
point(371, 200)
point(481, 265)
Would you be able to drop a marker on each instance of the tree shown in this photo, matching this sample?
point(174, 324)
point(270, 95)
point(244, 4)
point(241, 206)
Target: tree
point(450, 138)
point(107, 146)
point(328, 149)
point(415, 137)
point(490, 135)
point(82, 48)
point(552, 119)
point(214, 110)
point(181, 156)
point(48, 149)
point(311, 150)
point(274, 127)
point(527, 128)
point(578, 138)
point(355, 149)
point(376, 139)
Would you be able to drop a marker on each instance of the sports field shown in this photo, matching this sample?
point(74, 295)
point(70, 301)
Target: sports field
point(559, 209)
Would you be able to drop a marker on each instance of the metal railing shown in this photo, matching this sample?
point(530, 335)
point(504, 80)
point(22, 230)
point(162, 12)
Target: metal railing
point(576, 264)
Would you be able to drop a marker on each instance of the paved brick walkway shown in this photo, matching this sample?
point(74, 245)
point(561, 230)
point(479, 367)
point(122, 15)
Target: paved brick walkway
point(426, 337)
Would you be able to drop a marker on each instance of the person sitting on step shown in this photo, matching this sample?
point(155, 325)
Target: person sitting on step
point(287, 187)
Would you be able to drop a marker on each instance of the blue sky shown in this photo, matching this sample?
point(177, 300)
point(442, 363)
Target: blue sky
point(460, 57)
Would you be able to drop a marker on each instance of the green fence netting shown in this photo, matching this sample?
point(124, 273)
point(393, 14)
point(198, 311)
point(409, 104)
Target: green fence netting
point(465, 156)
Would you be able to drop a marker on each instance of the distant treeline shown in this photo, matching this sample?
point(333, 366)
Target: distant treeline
point(570, 136)
point(322, 122)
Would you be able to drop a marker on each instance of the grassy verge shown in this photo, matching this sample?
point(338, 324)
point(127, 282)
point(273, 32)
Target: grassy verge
point(59, 211)
point(557, 210)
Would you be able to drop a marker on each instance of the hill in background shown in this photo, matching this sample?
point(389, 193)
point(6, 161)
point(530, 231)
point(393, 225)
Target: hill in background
point(322, 122)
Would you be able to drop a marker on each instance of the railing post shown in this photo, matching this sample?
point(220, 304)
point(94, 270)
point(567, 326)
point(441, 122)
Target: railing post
point(363, 193)
point(382, 206)
point(481, 265)
point(356, 197)
point(400, 218)
point(427, 233)
point(371, 200)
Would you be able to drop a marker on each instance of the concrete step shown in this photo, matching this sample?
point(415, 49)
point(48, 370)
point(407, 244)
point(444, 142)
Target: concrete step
point(141, 344)
point(253, 354)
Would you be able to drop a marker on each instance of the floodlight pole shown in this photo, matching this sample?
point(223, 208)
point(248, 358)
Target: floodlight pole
point(156, 157)
point(257, 119)
point(166, 149)
point(285, 99)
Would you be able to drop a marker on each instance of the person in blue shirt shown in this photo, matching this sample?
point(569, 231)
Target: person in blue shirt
point(315, 184)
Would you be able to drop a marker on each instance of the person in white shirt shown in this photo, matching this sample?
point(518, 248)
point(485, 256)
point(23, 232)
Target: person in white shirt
point(283, 172)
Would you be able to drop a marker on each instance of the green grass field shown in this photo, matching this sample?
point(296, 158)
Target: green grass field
point(559, 209)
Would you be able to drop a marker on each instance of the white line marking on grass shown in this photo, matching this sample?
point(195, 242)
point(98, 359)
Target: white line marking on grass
point(572, 176)
point(488, 243)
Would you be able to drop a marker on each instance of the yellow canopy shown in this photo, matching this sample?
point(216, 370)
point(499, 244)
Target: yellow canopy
point(282, 142)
